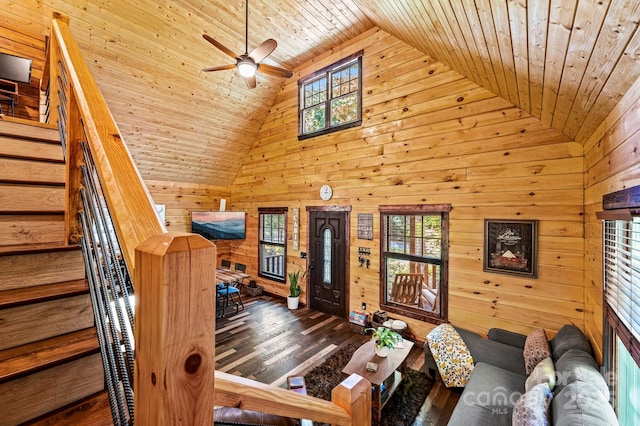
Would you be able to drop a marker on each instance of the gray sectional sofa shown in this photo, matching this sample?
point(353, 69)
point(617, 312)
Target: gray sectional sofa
point(580, 395)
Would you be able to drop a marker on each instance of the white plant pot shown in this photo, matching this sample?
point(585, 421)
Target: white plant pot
point(292, 302)
point(381, 351)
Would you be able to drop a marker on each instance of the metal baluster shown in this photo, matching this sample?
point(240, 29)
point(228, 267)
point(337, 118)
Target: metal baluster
point(109, 286)
point(108, 362)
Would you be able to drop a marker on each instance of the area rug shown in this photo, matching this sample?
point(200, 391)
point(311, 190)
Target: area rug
point(402, 408)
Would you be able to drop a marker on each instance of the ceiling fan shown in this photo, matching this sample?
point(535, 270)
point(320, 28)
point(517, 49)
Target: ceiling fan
point(249, 63)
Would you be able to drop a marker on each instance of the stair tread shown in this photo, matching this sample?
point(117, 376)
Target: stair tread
point(27, 129)
point(93, 410)
point(42, 293)
point(32, 357)
point(36, 248)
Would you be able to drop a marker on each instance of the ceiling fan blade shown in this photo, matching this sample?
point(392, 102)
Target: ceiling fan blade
point(263, 50)
point(220, 46)
point(274, 71)
point(220, 68)
point(251, 82)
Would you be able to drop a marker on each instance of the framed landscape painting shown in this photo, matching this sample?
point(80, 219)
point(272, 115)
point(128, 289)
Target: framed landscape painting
point(219, 225)
point(510, 247)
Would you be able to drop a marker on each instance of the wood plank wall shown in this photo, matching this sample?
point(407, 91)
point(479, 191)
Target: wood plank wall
point(15, 40)
point(430, 136)
point(612, 163)
point(181, 198)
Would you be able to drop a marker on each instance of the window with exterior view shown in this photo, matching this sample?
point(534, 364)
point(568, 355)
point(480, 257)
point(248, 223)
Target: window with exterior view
point(331, 99)
point(272, 244)
point(414, 260)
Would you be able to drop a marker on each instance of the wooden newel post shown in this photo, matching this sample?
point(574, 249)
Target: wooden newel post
point(175, 330)
point(354, 395)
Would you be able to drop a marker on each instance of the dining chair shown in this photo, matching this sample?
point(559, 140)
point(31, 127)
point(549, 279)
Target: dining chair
point(224, 299)
point(235, 287)
point(240, 267)
point(226, 264)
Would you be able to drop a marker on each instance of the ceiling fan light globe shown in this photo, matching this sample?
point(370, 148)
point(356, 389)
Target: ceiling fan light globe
point(247, 68)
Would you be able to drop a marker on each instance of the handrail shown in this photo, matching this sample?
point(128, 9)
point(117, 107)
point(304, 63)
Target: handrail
point(232, 390)
point(128, 199)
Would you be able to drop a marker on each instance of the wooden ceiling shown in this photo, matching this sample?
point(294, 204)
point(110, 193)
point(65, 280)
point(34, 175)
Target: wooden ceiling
point(566, 62)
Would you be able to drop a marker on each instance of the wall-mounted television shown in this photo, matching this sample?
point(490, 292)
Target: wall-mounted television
point(219, 225)
point(15, 68)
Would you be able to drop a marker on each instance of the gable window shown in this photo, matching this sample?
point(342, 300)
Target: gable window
point(414, 260)
point(331, 99)
point(272, 243)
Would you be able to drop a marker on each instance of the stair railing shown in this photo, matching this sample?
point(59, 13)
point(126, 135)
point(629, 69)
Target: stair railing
point(172, 378)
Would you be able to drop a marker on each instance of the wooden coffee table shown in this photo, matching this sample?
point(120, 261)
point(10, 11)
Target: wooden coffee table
point(384, 381)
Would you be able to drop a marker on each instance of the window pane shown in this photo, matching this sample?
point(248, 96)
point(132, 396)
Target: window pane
point(315, 92)
point(415, 235)
point(272, 260)
point(326, 258)
point(413, 284)
point(313, 119)
point(628, 388)
point(343, 110)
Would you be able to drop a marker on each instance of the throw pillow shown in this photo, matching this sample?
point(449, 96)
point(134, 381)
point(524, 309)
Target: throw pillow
point(543, 373)
point(532, 408)
point(536, 348)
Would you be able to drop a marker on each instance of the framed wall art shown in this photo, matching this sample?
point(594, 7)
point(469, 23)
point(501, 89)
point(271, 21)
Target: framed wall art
point(511, 247)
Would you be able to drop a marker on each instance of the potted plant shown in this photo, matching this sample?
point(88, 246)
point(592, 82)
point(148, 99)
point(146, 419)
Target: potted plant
point(294, 289)
point(384, 340)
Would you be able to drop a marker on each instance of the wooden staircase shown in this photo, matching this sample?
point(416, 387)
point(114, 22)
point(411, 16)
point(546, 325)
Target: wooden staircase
point(50, 364)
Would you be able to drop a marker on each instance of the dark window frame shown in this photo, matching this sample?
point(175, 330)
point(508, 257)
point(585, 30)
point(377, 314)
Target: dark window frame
point(408, 311)
point(621, 205)
point(261, 242)
point(326, 74)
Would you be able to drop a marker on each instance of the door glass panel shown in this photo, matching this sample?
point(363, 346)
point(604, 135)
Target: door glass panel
point(326, 256)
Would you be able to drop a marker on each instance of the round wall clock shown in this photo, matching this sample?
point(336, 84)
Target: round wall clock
point(326, 192)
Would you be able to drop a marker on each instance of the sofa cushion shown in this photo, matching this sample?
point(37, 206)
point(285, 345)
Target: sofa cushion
point(543, 373)
point(494, 353)
point(581, 403)
point(489, 397)
point(576, 365)
point(569, 337)
point(536, 348)
point(532, 409)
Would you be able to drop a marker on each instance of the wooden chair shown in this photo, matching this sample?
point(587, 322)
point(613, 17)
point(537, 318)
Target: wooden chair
point(235, 287)
point(8, 94)
point(226, 264)
point(406, 289)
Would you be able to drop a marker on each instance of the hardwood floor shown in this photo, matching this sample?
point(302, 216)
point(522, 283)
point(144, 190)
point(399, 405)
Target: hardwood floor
point(267, 342)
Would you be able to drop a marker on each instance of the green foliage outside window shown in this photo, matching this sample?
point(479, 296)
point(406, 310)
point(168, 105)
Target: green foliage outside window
point(332, 98)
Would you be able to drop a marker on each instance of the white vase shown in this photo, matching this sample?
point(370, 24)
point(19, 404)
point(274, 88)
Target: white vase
point(292, 302)
point(381, 351)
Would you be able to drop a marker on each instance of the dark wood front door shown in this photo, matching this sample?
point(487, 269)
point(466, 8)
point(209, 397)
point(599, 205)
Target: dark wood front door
point(328, 261)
